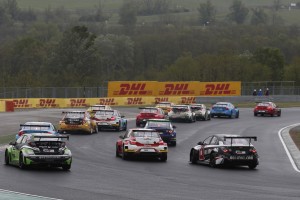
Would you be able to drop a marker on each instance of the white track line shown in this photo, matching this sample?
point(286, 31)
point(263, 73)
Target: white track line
point(30, 195)
point(286, 149)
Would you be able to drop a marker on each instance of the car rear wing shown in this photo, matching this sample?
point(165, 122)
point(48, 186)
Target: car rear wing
point(37, 125)
point(80, 112)
point(51, 136)
point(147, 108)
point(240, 137)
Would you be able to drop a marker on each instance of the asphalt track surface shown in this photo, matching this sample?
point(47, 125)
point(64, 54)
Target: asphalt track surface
point(97, 174)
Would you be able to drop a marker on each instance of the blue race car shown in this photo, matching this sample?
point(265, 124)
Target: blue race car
point(36, 127)
point(225, 109)
point(165, 128)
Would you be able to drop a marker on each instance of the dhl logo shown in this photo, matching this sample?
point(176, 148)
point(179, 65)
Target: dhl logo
point(133, 89)
point(134, 101)
point(217, 89)
point(78, 102)
point(108, 101)
point(177, 89)
point(47, 103)
point(188, 100)
point(161, 99)
point(21, 103)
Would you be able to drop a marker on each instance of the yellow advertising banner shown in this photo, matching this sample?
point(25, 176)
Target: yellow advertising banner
point(132, 88)
point(219, 89)
point(2, 106)
point(188, 88)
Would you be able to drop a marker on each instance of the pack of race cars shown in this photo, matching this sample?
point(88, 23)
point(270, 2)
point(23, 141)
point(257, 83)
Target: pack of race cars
point(40, 143)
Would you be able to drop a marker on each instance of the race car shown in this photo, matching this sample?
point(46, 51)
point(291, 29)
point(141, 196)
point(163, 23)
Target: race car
point(182, 113)
point(77, 121)
point(36, 127)
point(222, 149)
point(224, 109)
point(165, 128)
point(109, 119)
point(165, 106)
point(143, 143)
point(267, 108)
point(98, 107)
point(201, 112)
point(149, 113)
point(39, 149)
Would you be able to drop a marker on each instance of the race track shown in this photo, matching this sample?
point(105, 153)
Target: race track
point(97, 174)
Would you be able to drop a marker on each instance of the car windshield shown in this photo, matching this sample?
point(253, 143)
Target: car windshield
point(32, 127)
point(104, 112)
point(264, 104)
point(180, 109)
point(74, 115)
point(145, 134)
point(164, 104)
point(236, 141)
point(149, 110)
point(158, 124)
point(221, 105)
point(196, 108)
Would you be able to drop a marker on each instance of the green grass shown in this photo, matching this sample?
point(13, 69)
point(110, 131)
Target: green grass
point(7, 138)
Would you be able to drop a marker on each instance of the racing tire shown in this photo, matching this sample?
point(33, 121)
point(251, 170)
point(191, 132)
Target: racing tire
point(6, 158)
point(173, 143)
point(96, 129)
point(193, 157)
point(119, 128)
point(117, 153)
point(21, 161)
point(212, 160)
point(124, 155)
point(209, 117)
point(125, 127)
point(212, 116)
point(66, 167)
point(237, 115)
point(231, 116)
point(164, 157)
point(138, 124)
point(279, 114)
point(255, 114)
point(252, 166)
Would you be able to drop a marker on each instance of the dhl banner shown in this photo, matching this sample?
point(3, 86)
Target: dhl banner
point(2, 106)
point(132, 88)
point(186, 88)
point(219, 89)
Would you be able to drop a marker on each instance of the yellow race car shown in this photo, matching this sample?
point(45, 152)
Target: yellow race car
point(77, 121)
point(165, 106)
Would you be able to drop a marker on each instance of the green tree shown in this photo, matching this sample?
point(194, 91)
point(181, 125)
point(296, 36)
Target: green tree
point(73, 61)
point(207, 13)
point(12, 8)
point(273, 58)
point(128, 14)
point(292, 71)
point(259, 16)
point(238, 12)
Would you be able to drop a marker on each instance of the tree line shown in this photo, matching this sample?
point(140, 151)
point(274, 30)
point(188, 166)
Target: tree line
point(56, 50)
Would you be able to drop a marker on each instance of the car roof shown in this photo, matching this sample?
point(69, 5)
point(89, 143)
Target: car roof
point(37, 123)
point(141, 129)
point(181, 105)
point(196, 104)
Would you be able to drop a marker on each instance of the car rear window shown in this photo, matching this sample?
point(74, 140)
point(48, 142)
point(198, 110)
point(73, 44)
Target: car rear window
point(105, 112)
point(180, 109)
point(149, 111)
point(237, 141)
point(153, 124)
point(75, 115)
point(145, 134)
point(264, 104)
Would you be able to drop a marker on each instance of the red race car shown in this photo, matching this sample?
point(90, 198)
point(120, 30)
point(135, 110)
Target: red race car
point(267, 108)
point(149, 113)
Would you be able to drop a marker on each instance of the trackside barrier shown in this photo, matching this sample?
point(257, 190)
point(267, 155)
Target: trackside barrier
point(6, 106)
point(85, 102)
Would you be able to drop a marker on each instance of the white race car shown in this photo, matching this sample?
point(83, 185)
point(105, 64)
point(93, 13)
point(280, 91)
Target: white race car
point(141, 142)
point(201, 111)
point(182, 113)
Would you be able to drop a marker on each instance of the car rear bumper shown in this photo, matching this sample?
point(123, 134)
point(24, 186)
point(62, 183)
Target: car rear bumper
point(47, 159)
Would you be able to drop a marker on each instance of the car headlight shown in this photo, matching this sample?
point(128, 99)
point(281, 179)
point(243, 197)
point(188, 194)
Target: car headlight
point(68, 152)
point(29, 151)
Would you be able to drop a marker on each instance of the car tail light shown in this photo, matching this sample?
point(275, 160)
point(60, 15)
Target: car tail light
point(132, 141)
point(270, 108)
point(253, 151)
point(170, 131)
point(226, 108)
point(225, 150)
point(161, 142)
point(32, 144)
point(111, 119)
point(20, 133)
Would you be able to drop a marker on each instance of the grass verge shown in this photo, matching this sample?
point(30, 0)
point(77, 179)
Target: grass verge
point(6, 139)
point(295, 135)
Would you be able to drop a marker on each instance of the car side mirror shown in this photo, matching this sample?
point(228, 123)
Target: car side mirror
point(13, 143)
point(121, 137)
point(200, 143)
point(174, 126)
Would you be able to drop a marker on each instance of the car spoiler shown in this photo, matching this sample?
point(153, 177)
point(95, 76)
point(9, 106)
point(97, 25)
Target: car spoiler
point(80, 112)
point(147, 108)
point(51, 136)
point(32, 125)
point(240, 137)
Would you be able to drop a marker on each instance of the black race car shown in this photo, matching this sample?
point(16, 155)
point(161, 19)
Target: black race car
point(222, 149)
